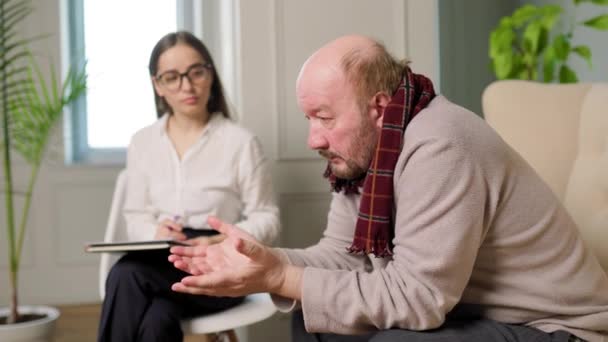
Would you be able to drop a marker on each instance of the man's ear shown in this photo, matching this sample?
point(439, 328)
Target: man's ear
point(378, 105)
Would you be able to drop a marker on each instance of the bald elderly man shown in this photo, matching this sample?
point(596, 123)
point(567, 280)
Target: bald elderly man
point(437, 229)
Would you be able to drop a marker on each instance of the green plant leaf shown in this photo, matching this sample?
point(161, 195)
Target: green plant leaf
point(549, 15)
point(29, 108)
point(597, 2)
point(567, 75)
point(549, 64)
point(599, 23)
point(501, 52)
point(561, 47)
point(16, 17)
point(39, 107)
point(501, 41)
point(12, 79)
point(75, 84)
point(523, 14)
point(529, 60)
point(531, 37)
point(518, 69)
point(543, 40)
point(534, 75)
point(584, 52)
point(14, 11)
point(521, 74)
point(503, 65)
point(506, 22)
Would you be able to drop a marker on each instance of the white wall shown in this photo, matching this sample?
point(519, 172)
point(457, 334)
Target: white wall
point(274, 39)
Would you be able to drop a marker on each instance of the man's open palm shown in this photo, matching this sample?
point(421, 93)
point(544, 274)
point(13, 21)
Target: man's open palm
point(237, 266)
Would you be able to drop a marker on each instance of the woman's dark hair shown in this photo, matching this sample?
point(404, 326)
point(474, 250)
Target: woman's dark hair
point(217, 100)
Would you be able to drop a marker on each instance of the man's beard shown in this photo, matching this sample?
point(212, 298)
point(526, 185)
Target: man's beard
point(363, 146)
point(351, 171)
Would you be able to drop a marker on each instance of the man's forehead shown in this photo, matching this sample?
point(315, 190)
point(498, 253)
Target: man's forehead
point(320, 77)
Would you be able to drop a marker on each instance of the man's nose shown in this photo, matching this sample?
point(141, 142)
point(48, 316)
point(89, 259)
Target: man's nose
point(316, 140)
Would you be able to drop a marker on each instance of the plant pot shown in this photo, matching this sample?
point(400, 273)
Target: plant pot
point(40, 330)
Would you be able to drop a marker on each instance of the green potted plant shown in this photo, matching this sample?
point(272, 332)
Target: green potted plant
point(30, 108)
point(527, 45)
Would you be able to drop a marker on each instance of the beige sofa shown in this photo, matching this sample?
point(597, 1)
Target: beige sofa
point(562, 131)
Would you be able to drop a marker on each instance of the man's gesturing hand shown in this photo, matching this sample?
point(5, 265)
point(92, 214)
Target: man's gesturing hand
point(237, 266)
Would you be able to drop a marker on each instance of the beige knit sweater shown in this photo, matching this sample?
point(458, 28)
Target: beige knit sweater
point(474, 224)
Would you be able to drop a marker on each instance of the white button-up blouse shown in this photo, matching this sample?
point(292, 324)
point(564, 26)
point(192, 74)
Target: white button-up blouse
point(224, 174)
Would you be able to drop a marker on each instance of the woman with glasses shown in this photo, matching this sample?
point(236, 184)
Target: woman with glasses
point(193, 162)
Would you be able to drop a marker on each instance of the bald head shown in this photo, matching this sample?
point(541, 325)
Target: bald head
point(354, 61)
point(338, 48)
point(328, 60)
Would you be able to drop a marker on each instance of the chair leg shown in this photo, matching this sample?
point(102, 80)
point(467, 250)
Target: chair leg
point(232, 336)
point(210, 338)
point(228, 335)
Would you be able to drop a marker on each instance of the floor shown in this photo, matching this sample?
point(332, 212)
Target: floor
point(78, 323)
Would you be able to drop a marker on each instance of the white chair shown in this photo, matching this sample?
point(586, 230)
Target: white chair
point(254, 308)
point(562, 131)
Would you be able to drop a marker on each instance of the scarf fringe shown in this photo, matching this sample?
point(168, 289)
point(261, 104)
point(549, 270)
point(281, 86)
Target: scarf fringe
point(377, 251)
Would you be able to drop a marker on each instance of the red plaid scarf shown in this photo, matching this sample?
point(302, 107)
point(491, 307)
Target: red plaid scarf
point(375, 229)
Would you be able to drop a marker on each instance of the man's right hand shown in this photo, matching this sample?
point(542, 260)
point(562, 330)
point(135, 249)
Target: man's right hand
point(168, 229)
point(237, 266)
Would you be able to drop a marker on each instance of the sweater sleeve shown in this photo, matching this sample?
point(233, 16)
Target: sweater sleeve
point(330, 252)
point(439, 196)
point(260, 212)
point(139, 214)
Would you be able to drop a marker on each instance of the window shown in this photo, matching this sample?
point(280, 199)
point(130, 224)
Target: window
point(115, 38)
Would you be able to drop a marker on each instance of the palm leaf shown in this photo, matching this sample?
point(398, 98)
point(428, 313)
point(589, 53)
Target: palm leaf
point(37, 111)
point(12, 59)
point(16, 14)
point(12, 52)
point(38, 108)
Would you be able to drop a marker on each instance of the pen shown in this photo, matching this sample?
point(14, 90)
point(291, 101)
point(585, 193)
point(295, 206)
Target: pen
point(175, 219)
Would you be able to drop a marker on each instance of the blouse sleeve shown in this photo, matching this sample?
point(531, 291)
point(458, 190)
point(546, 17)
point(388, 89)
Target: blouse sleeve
point(260, 216)
point(139, 215)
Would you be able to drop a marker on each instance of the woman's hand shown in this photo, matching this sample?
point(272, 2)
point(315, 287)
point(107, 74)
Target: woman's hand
point(206, 240)
point(169, 229)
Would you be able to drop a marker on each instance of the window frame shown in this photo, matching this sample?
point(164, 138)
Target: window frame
point(190, 16)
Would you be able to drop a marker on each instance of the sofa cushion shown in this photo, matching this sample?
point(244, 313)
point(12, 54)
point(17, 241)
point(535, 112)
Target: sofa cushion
point(587, 191)
point(540, 121)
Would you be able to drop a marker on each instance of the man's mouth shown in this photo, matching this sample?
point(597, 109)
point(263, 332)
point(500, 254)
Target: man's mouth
point(330, 156)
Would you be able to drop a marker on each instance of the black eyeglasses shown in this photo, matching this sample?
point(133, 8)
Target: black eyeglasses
point(196, 74)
